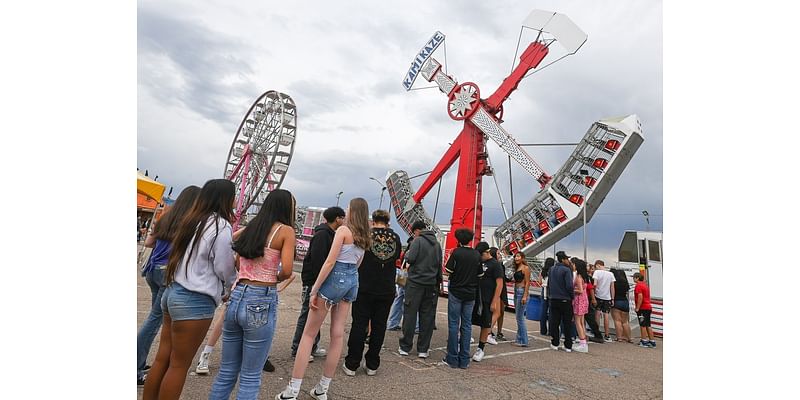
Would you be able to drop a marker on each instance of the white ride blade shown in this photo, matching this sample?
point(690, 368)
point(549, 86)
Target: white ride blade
point(568, 35)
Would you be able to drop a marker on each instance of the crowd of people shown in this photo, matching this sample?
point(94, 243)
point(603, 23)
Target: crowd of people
point(355, 267)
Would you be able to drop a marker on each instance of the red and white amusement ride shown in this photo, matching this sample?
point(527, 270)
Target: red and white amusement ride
point(261, 151)
point(575, 191)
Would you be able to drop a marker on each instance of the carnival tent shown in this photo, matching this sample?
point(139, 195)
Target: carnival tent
point(149, 187)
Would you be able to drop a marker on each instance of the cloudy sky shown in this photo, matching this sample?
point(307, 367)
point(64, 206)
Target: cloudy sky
point(202, 64)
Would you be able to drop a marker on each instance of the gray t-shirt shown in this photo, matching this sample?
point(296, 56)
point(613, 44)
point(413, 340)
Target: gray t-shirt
point(212, 262)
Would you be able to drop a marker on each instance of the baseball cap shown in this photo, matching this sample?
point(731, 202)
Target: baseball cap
point(561, 255)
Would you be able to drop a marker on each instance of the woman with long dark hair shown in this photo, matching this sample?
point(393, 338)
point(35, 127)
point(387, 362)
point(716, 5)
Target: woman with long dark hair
point(160, 240)
point(621, 307)
point(522, 279)
point(267, 242)
point(200, 266)
point(337, 286)
point(580, 304)
point(545, 310)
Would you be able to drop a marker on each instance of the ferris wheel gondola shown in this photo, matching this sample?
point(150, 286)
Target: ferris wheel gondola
point(261, 152)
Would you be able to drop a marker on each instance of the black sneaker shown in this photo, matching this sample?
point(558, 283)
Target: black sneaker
point(596, 339)
point(146, 368)
point(268, 367)
point(140, 381)
point(500, 336)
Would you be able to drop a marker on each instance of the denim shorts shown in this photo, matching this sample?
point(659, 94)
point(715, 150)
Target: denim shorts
point(183, 304)
point(622, 305)
point(341, 284)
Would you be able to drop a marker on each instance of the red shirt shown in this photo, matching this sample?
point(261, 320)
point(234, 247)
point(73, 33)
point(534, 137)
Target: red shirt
point(641, 288)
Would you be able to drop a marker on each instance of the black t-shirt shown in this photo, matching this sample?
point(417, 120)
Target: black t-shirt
point(492, 269)
point(464, 267)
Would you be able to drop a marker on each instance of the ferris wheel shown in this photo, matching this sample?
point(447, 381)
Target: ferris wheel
point(261, 151)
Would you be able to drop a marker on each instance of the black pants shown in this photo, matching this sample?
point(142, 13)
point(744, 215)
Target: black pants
point(301, 322)
point(560, 313)
point(368, 310)
point(592, 321)
point(422, 300)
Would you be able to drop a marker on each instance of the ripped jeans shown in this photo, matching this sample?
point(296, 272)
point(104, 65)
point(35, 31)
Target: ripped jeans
point(341, 284)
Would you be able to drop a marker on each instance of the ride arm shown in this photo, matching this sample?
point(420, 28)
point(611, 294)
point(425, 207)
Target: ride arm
point(432, 71)
point(491, 128)
point(531, 57)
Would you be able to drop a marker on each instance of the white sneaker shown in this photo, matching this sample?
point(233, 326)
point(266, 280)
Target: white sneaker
point(371, 372)
point(553, 347)
point(423, 355)
point(402, 353)
point(478, 355)
point(581, 348)
point(202, 366)
point(491, 340)
point(567, 350)
point(318, 393)
point(348, 371)
point(286, 394)
point(310, 359)
point(320, 352)
point(471, 340)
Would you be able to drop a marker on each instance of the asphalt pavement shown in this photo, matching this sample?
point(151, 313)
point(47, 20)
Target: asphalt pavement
point(608, 371)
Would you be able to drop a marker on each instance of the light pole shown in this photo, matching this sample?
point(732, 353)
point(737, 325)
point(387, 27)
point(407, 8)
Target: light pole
point(337, 198)
point(383, 188)
point(647, 219)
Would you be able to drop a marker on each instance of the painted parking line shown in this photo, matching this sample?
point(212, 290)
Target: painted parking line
point(512, 353)
point(510, 330)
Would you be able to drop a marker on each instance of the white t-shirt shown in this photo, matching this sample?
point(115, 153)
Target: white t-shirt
point(602, 284)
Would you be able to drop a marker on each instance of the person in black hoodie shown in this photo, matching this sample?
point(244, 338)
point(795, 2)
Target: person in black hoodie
point(375, 296)
point(318, 250)
point(424, 279)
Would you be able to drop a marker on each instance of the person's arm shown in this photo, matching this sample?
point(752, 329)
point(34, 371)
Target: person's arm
point(287, 253)
point(526, 281)
point(150, 241)
point(238, 233)
point(639, 300)
point(336, 248)
point(579, 287)
point(451, 264)
point(569, 284)
point(499, 288)
point(223, 263)
point(591, 297)
point(286, 283)
point(413, 251)
point(613, 295)
point(439, 278)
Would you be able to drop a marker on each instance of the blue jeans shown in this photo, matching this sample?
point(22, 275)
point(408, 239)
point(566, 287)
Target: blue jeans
point(246, 340)
point(341, 284)
point(149, 329)
point(519, 311)
point(396, 315)
point(458, 311)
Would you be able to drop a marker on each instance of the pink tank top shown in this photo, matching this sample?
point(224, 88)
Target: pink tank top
point(262, 269)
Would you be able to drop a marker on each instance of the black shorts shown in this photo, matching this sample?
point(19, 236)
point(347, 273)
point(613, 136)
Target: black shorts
point(644, 318)
point(484, 318)
point(604, 305)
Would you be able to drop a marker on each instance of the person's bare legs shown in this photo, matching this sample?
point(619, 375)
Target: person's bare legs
point(605, 322)
point(626, 324)
point(316, 316)
point(161, 363)
point(650, 335)
point(339, 315)
point(500, 316)
point(216, 326)
point(186, 339)
point(615, 314)
point(579, 323)
point(485, 334)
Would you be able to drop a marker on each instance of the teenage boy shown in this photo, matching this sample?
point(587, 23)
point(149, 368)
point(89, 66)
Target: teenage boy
point(604, 292)
point(375, 295)
point(464, 269)
point(560, 286)
point(318, 250)
point(643, 310)
point(489, 287)
point(422, 289)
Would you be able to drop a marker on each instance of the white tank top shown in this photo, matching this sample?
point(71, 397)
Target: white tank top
point(350, 254)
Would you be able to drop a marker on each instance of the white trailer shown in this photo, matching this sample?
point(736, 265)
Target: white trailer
point(642, 251)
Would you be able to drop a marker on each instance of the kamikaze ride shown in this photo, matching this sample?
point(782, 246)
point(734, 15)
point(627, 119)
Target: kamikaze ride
point(556, 210)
